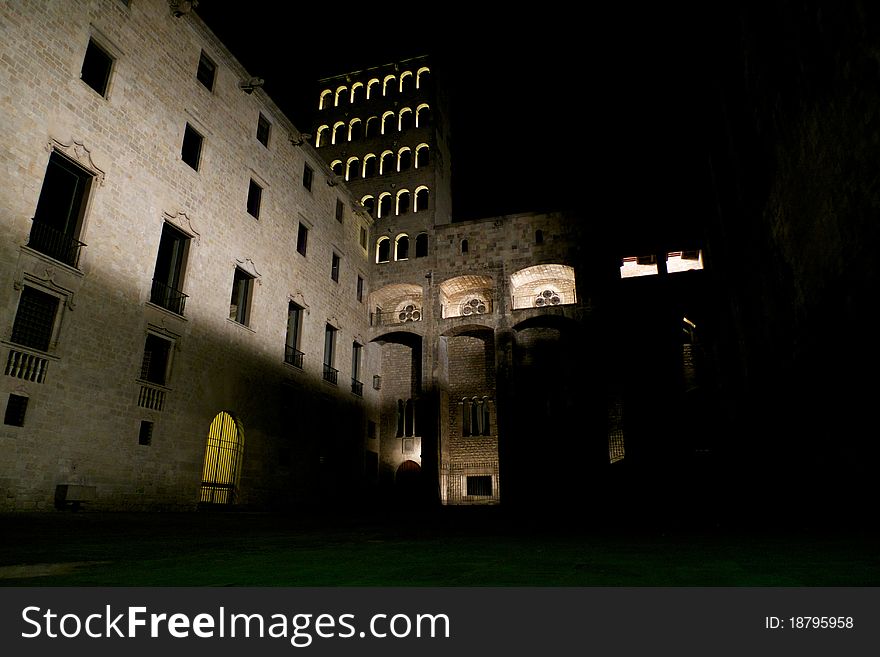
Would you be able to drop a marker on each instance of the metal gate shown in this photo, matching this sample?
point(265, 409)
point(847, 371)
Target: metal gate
point(222, 460)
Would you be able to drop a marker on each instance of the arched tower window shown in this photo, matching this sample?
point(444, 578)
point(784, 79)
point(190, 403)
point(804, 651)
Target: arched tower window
point(423, 116)
point(385, 203)
point(337, 167)
point(421, 245)
point(339, 132)
point(352, 168)
point(372, 86)
point(370, 161)
point(404, 159)
point(421, 199)
point(405, 120)
point(323, 102)
point(388, 85)
point(369, 202)
point(406, 81)
point(383, 249)
point(386, 163)
point(372, 127)
point(341, 95)
point(401, 247)
point(403, 200)
point(422, 76)
point(387, 122)
point(321, 136)
point(356, 89)
point(422, 158)
point(355, 129)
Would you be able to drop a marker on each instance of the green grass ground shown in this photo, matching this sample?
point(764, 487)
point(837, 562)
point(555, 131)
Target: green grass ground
point(454, 549)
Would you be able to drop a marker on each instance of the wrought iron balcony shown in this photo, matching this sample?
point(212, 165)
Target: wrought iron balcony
point(54, 243)
point(167, 297)
point(330, 374)
point(357, 387)
point(293, 356)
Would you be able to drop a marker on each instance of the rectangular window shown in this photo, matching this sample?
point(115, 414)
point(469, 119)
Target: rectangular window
point(360, 289)
point(168, 274)
point(96, 67)
point(206, 72)
point(60, 210)
point(16, 408)
point(240, 302)
point(145, 437)
point(255, 195)
point(263, 129)
point(357, 387)
point(363, 238)
point(292, 354)
point(191, 150)
point(154, 365)
point(308, 174)
point(302, 239)
point(480, 485)
point(334, 268)
point(35, 319)
point(330, 373)
point(340, 210)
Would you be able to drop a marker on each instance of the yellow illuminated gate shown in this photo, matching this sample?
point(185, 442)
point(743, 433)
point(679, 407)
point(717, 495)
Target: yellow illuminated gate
point(222, 460)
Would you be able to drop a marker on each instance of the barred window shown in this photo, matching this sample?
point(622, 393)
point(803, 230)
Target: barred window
point(35, 319)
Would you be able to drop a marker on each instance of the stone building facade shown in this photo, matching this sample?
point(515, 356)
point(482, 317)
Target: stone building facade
point(171, 252)
point(204, 305)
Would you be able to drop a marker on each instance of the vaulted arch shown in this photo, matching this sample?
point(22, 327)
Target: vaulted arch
point(543, 286)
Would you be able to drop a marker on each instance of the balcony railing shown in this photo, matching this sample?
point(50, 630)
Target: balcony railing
point(389, 317)
point(151, 397)
point(22, 365)
point(357, 387)
point(167, 297)
point(544, 299)
point(293, 356)
point(330, 374)
point(54, 243)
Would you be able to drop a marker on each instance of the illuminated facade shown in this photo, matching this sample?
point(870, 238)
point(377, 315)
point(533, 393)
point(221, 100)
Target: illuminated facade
point(488, 328)
point(204, 306)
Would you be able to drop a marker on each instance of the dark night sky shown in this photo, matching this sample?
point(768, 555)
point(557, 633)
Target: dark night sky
point(598, 109)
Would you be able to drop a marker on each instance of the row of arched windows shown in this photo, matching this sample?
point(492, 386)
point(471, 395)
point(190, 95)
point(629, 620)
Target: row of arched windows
point(401, 247)
point(397, 204)
point(373, 88)
point(475, 416)
point(386, 162)
point(374, 126)
point(406, 418)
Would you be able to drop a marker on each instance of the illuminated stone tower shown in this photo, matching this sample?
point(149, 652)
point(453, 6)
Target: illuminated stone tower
point(385, 132)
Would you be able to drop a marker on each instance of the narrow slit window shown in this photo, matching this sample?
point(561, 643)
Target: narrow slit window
point(254, 198)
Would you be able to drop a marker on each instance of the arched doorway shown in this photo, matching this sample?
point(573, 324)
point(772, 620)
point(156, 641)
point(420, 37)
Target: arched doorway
point(408, 481)
point(223, 454)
